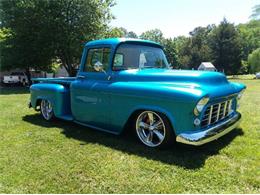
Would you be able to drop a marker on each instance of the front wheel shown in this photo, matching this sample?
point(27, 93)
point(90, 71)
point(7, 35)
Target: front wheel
point(153, 129)
point(47, 110)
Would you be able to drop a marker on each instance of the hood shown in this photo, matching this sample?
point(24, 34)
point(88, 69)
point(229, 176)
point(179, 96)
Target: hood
point(199, 83)
point(166, 75)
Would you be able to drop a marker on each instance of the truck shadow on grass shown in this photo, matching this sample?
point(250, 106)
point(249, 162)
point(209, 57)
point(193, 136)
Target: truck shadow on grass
point(189, 157)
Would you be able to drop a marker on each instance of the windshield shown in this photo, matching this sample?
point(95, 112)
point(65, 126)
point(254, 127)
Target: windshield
point(133, 56)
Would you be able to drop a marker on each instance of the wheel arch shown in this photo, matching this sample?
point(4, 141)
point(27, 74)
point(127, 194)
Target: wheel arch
point(39, 100)
point(157, 109)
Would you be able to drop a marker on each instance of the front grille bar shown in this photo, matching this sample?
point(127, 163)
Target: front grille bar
point(216, 112)
point(219, 105)
point(224, 110)
point(210, 115)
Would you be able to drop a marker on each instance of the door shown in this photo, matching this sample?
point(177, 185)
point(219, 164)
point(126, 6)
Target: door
point(89, 93)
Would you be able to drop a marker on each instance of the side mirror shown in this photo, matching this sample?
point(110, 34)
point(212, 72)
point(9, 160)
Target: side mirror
point(98, 66)
point(118, 60)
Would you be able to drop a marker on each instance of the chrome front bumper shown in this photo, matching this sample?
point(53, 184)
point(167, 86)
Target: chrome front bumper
point(201, 137)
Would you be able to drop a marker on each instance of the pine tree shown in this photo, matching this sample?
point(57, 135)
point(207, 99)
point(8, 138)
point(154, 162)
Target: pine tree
point(226, 48)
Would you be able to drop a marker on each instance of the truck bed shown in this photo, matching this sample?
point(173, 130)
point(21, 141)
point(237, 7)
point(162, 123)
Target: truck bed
point(61, 80)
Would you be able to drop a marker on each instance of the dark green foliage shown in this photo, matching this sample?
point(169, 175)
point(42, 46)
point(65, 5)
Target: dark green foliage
point(194, 49)
point(116, 32)
point(131, 34)
point(38, 33)
point(154, 35)
point(250, 37)
point(254, 61)
point(168, 44)
point(45, 30)
point(171, 53)
point(24, 45)
point(226, 48)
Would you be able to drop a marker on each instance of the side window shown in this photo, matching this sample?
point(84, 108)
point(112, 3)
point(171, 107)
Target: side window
point(97, 57)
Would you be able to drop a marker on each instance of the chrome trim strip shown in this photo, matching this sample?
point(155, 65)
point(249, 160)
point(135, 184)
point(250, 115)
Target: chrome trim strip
point(225, 107)
point(208, 135)
point(210, 114)
point(218, 112)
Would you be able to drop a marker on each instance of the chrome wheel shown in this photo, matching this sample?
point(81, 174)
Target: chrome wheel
point(150, 128)
point(46, 110)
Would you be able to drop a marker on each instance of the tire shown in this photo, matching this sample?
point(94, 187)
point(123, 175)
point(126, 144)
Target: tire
point(23, 83)
point(153, 129)
point(47, 110)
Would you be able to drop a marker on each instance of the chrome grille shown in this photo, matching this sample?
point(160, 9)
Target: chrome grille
point(216, 112)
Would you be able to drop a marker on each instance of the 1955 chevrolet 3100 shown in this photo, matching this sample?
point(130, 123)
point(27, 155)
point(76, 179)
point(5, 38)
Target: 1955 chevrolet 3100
point(129, 81)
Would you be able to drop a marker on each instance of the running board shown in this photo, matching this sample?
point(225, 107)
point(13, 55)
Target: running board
point(66, 117)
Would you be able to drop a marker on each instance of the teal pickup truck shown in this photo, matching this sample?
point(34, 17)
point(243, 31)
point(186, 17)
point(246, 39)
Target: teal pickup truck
point(128, 82)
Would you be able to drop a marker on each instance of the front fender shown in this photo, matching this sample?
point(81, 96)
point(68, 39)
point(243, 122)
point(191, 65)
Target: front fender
point(175, 101)
point(159, 109)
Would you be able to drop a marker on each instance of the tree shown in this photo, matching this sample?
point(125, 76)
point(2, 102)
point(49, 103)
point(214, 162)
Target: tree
point(226, 47)
point(114, 32)
point(183, 51)
point(254, 61)
point(153, 35)
point(194, 49)
point(131, 34)
point(46, 30)
point(19, 49)
point(250, 37)
point(171, 53)
point(168, 45)
point(256, 12)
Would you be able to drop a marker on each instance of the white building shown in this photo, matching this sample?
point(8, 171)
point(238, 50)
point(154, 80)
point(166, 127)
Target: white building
point(208, 66)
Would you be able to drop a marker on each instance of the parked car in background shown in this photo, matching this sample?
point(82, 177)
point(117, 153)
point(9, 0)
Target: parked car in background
point(257, 75)
point(129, 83)
point(16, 78)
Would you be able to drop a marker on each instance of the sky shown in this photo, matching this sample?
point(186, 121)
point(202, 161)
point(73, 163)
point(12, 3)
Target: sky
point(178, 17)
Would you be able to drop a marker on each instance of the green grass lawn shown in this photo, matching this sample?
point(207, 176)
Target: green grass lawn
point(62, 157)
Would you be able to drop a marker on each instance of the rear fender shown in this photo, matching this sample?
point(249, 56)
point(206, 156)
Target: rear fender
point(57, 94)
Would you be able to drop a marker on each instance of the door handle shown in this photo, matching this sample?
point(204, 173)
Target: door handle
point(81, 77)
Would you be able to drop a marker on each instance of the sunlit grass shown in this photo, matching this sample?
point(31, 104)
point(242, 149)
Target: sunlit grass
point(62, 157)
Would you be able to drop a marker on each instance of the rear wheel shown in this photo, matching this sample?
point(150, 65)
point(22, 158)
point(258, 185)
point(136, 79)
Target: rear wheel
point(47, 110)
point(153, 129)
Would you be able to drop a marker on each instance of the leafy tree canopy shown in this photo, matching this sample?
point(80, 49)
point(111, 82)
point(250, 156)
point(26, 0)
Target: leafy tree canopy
point(250, 37)
point(46, 30)
point(226, 47)
point(154, 35)
point(254, 61)
point(256, 12)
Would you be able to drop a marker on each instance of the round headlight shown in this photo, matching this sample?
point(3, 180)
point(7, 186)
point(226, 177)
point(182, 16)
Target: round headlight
point(239, 96)
point(200, 105)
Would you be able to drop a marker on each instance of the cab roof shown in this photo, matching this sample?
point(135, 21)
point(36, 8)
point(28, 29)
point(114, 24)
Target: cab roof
point(114, 42)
